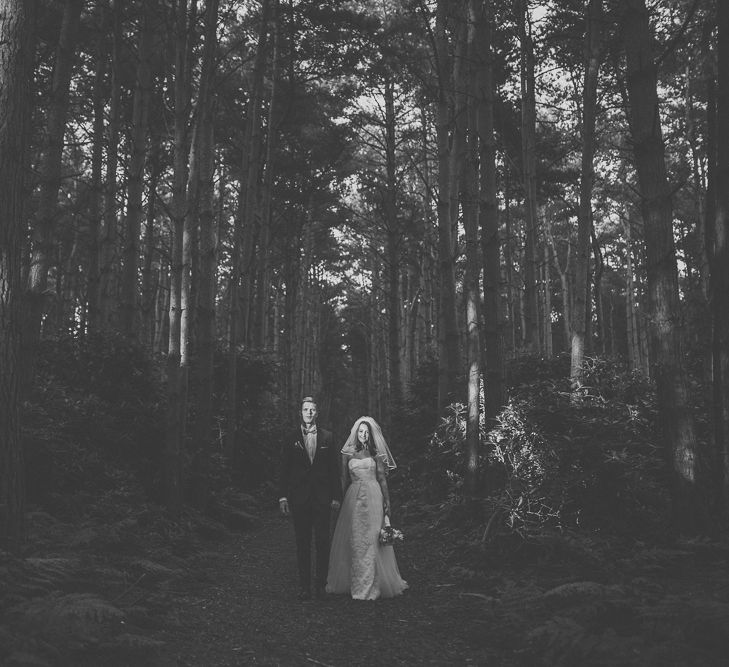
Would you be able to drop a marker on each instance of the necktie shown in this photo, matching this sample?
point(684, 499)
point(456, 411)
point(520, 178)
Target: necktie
point(310, 440)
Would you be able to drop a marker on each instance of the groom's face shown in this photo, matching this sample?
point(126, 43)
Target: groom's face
point(308, 412)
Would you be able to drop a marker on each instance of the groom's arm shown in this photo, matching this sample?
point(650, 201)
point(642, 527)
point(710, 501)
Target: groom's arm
point(284, 478)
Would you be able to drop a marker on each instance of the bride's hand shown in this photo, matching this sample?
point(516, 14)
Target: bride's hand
point(386, 507)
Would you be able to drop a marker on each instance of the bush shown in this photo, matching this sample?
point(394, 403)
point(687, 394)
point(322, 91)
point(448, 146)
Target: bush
point(261, 423)
point(551, 463)
point(93, 411)
point(590, 463)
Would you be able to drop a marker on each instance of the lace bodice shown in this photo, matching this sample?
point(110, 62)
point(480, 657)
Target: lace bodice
point(362, 470)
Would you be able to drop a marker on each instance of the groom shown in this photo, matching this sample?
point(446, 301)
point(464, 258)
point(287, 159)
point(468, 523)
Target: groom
point(309, 488)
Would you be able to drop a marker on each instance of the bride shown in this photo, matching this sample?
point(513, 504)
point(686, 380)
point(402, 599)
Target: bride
point(358, 563)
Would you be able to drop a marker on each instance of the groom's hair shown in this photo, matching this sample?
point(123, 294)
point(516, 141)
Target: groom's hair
point(308, 399)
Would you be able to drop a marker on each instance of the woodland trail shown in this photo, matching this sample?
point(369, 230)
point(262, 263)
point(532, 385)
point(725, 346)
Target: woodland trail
point(247, 613)
point(581, 604)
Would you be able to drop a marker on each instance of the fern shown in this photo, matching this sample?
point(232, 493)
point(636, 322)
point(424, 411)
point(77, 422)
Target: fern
point(157, 569)
point(26, 659)
point(71, 616)
point(578, 591)
point(51, 570)
point(561, 641)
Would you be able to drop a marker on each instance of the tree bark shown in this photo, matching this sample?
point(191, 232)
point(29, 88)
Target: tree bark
point(489, 217)
point(265, 274)
point(392, 251)
point(250, 173)
point(176, 370)
point(97, 157)
point(529, 174)
point(547, 346)
point(581, 310)
point(634, 355)
point(14, 104)
point(687, 460)
point(719, 248)
point(129, 298)
point(208, 251)
point(469, 204)
point(109, 235)
point(448, 340)
point(149, 275)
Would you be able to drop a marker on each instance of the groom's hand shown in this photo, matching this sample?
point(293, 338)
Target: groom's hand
point(283, 507)
point(335, 504)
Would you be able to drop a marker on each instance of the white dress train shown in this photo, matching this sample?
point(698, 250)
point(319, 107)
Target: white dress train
point(358, 563)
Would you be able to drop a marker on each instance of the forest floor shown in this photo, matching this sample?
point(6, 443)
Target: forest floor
point(249, 614)
point(144, 591)
point(661, 606)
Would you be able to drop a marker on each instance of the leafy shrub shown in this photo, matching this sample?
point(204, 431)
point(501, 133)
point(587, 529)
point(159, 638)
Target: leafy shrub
point(444, 458)
point(551, 462)
point(94, 410)
point(261, 424)
point(588, 463)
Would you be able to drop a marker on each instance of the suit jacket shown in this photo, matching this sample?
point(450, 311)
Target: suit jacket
point(303, 481)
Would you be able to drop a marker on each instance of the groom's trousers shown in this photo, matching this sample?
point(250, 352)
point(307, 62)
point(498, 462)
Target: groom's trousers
point(312, 518)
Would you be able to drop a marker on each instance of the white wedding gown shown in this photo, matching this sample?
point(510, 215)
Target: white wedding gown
point(358, 563)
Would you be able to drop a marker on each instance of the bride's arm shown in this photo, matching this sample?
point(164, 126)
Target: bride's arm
point(344, 473)
point(382, 479)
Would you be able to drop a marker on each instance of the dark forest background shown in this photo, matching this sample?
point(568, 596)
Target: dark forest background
point(499, 228)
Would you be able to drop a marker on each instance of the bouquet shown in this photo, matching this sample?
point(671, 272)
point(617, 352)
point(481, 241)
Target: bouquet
point(390, 535)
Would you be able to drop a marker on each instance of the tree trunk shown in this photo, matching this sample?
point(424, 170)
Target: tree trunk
point(149, 275)
point(14, 103)
point(581, 311)
point(250, 173)
point(529, 169)
point(448, 344)
point(564, 280)
point(489, 217)
point(176, 372)
point(392, 252)
point(109, 236)
point(634, 362)
point(265, 275)
point(547, 305)
point(97, 157)
point(129, 297)
point(469, 204)
point(206, 275)
point(719, 264)
point(43, 245)
point(511, 289)
point(683, 450)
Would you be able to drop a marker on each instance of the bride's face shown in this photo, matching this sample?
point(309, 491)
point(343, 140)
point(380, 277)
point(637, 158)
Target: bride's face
point(363, 434)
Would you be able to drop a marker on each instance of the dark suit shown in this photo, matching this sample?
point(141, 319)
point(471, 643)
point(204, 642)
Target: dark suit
point(310, 488)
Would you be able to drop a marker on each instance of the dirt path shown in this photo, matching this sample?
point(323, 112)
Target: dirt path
point(247, 613)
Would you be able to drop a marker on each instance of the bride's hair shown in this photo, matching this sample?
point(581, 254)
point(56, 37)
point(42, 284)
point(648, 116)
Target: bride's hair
point(371, 448)
point(377, 446)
